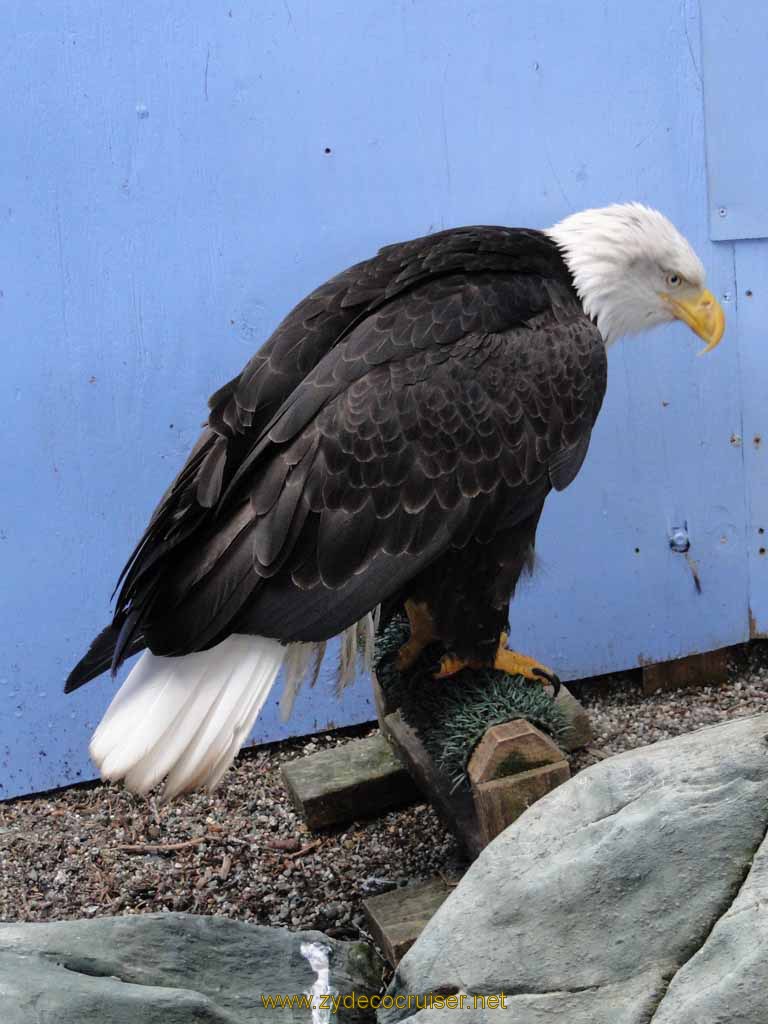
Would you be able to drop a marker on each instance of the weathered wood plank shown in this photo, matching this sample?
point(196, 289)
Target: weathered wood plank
point(709, 668)
point(354, 780)
point(397, 918)
point(456, 807)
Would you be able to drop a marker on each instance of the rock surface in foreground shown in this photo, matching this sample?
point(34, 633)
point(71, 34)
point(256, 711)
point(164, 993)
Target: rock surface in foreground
point(628, 895)
point(168, 969)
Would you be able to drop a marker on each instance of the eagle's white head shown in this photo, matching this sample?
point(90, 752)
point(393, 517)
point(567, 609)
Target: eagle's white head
point(633, 270)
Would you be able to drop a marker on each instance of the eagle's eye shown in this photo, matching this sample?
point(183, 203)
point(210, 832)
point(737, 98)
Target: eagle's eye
point(674, 280)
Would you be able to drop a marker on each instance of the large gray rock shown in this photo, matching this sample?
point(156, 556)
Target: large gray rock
point(635, 892)
point(171, 969)
point(727, 978)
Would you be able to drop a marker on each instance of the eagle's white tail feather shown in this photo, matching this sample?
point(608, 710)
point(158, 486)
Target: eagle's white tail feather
point(186, 717)
point(195, 709)
point(109, 742)
point(226, 726)
point(153, 717)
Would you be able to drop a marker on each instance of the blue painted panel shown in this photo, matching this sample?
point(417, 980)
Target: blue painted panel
point(734, 47)
point(752, 278)
point(181, 174)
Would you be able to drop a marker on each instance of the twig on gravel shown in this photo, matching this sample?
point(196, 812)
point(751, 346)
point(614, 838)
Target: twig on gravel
point(304, 850)
point(226, 867)
point(449, 883)
point(171, 847)
point(25, 905)
point(597, 753)
point(154, 811)
point(289, 845)
point(204, 879)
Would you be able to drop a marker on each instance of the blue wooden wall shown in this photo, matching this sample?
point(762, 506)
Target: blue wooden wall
point(734, 47)
point(175, 176)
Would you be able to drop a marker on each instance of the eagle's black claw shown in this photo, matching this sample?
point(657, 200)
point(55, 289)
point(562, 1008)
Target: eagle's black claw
point(551, 678)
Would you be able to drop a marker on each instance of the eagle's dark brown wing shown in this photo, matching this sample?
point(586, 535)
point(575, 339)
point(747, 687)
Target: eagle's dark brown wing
point(434, 422)
point(413, 402)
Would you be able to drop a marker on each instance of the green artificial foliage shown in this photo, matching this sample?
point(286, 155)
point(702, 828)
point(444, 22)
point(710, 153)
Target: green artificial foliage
point(452, 715)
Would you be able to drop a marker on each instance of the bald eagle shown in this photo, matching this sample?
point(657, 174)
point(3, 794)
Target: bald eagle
point(390, 448)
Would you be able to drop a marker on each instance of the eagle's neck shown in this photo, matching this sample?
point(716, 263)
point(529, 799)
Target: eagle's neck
point(593, 269)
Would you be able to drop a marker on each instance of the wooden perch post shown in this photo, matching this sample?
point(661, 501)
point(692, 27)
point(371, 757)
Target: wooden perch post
point(477, 792)
point(513, 765)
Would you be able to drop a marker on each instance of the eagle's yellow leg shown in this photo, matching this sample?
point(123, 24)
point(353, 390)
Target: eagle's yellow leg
point(422, 634)
point(511, 662)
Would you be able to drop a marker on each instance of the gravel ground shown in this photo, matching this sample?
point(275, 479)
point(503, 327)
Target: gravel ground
point(243, 853)
point(623, 717)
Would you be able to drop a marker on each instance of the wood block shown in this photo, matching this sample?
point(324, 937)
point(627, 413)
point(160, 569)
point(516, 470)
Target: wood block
point(502, 801)
point(710, 668)
point(397, 918)
point(456, 807)
point(513, 747)
point(354, 780)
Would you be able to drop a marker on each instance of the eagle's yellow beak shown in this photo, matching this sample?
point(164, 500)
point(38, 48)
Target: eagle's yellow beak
point(703, 314)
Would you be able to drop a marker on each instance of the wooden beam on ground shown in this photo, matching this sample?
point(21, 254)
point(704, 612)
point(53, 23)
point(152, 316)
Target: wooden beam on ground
point(397, 918)
point(354, 780)
point(455, 806)
point(708, 669)
point(532, 764)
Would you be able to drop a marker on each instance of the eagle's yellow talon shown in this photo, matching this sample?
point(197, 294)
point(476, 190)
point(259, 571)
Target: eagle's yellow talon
point(516, 664)
point(450, 665)
point(511, 662)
